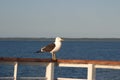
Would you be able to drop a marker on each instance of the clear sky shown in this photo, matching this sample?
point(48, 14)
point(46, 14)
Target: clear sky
point(65, 18)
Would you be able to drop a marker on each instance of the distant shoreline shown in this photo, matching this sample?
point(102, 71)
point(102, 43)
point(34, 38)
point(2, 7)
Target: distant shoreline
point(66, 39)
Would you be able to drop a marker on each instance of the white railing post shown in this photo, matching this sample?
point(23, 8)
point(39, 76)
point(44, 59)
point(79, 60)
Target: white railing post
point(50, 71)
point(91, 72)
point(15, 70)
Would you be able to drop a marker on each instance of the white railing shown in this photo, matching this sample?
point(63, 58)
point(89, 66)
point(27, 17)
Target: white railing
point(91, 65)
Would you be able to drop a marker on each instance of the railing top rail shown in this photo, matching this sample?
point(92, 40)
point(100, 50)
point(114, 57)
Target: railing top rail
point(9, 59)
point(99, 62)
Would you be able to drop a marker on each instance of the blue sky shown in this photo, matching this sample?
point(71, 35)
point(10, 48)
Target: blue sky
point(65, 18)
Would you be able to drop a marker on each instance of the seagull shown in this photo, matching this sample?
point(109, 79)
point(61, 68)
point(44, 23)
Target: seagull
point(52, 48)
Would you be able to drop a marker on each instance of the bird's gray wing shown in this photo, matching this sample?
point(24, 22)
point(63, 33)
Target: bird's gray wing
point(48, 48)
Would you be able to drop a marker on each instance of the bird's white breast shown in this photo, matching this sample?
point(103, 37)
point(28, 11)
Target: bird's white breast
point(57, 47)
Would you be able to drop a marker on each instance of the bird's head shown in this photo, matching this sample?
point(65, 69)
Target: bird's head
point(59, 39)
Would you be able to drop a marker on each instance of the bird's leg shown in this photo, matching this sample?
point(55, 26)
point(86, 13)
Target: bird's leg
point(53, 56)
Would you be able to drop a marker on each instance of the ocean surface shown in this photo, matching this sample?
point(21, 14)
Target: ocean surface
point(85, 50)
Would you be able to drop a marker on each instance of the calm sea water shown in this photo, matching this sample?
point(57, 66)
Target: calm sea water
point(88, 50)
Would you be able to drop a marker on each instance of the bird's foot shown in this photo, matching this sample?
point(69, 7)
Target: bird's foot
point(54, 59)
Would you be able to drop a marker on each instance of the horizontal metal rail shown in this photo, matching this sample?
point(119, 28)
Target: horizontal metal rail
point(100, 62)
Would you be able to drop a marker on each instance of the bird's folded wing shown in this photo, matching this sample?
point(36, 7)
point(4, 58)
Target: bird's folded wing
point(48, 48)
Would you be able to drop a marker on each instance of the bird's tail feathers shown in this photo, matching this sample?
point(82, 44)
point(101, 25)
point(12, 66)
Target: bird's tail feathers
point(38, 51)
